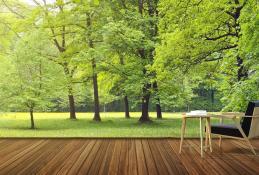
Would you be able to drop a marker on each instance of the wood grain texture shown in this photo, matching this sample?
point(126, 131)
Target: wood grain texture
point(124, 156)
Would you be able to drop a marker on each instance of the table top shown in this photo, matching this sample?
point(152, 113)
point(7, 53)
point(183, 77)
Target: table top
point(197, 116)
point(208, 115)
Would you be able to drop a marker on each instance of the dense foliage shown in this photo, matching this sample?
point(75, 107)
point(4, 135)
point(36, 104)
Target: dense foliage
point(143, 55)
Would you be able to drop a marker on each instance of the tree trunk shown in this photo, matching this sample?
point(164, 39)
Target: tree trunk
point(72, 107)
point(140, 7)
point(241, 73)
point(32, 119)
point(126, 102)
point(158, 106)
point(71, 100)
point(158, 110)
point(96, 95)
point(95, 78)
point(145, 105)
point(146, 94)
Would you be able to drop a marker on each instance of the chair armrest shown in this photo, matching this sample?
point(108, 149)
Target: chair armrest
point(238, 114)
point(221, 116)
point(253, 116)
point(229, 115)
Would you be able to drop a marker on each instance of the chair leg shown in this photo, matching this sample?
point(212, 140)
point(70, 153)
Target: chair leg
point(182, 133)
point(250, 145)
point(245, 137)
point(220, 141)
point(220, 137)
point(206, 134)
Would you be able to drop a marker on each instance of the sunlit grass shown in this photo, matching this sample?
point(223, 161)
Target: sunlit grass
point(112, 125)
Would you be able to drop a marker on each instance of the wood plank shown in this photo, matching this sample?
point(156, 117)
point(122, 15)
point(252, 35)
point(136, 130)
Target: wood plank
point(255, 143)
point(104, 169)
point(124, 158)
point(2, 141)
point(171, 168)
point(160, 165)
point(13, 149)
point(97, 159)
point(224, 159)
point(10, 145)
point(173, 158)
point(114, 166)
point(245, 159)
point(6, 143)
point(133, 167)
point(141, 162)
point(11, 163)
point(33, 158)
point(151, 165)
point(210, 163)
point(78, 163)
point(38, 161)
point(186, 158)
point(65, 167)
point(227, 161)
point(56, 163)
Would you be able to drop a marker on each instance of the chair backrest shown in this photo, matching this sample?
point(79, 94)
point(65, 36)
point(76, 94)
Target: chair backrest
point(254, 129)
point(249, 124)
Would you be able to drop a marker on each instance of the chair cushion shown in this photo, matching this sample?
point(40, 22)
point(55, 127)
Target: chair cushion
point(228, 130)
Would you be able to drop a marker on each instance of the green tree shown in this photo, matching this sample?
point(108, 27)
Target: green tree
point(197, 32)
point(28, 84)
point(90, 17)
point(121, 41)
point(57, 19)
point(134, 35)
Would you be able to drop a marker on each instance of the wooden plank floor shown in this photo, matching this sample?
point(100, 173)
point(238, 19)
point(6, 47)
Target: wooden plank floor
point(124, 156)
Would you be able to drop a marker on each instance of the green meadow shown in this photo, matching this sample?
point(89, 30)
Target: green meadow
point(112, 125)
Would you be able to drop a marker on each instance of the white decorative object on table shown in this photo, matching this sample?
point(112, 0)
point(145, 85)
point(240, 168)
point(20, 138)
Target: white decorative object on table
point(197, 112)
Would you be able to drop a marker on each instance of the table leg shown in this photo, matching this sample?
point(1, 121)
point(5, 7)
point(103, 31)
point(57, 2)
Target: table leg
point(220, 138)
point(182, 133)
point(201, 136)
point(209, 133)
point(206, 134)
point(220, 141)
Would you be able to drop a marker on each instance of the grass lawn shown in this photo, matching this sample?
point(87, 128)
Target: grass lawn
point(112, 125)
